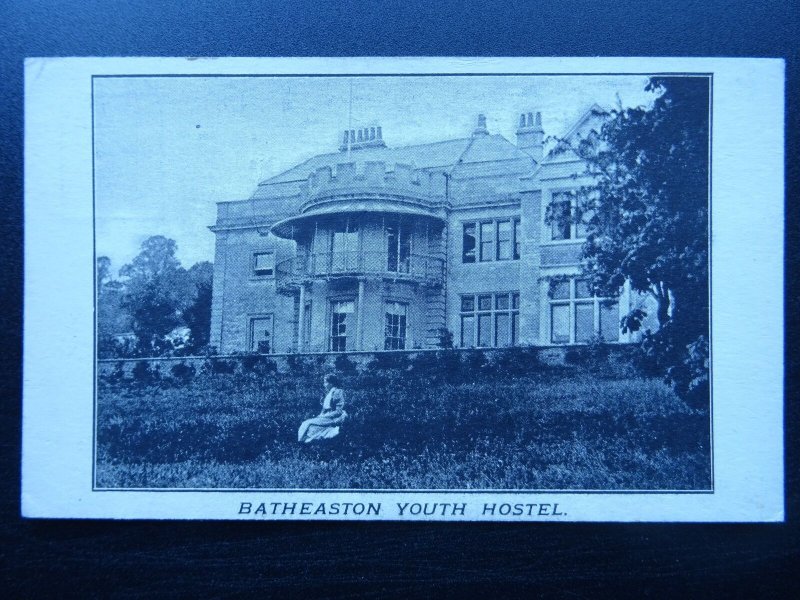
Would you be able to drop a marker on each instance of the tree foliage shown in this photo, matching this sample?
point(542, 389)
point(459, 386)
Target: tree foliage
point(647, 219)
point(154, 296)
point(157, 291)
point(113, 321)
point(197, 316)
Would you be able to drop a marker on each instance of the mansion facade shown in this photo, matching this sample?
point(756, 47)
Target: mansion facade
point(375, 248)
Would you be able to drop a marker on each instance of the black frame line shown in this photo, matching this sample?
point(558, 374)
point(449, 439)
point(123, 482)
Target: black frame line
point(711, 490)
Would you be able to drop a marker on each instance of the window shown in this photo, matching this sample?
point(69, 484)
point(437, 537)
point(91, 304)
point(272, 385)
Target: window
point(487, 241)
point(468, 243)
point(577, 316)
point(261, 334)
point(491, 240)
point(505, 249)
point(398, 248)
point(490, 320)
point(396, 323)
point(342, 317)
point(561, 213)
point(264, 264)
point(344, 246)
point(568, 222)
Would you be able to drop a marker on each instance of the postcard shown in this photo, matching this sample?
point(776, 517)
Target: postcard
point(477, 289)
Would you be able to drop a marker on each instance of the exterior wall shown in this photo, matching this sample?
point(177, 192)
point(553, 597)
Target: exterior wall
point(482, 190)
point(371, 312)
point(478, 277)
point(239, 295)
point(531, 209)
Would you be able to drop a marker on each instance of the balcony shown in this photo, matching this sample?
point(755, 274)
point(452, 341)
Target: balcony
point(419, 268)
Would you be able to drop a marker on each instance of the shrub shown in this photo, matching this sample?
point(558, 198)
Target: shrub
point(144, 374)
point(182, 373)
point(473, 363)
point(344, 365)
point(445, 338)
point(258, 364)
point(512, 362)
point(117, 375)
point(219, 366)
point(298, 364)
point(384, 361)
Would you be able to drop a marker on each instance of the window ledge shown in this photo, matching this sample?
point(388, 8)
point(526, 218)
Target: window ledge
point(562, 242)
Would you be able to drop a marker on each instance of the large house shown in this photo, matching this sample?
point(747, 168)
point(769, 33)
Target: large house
point(375, 247)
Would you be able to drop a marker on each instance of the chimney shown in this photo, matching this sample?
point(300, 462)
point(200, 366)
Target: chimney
point(364, 137)
point(530, 135)
point(480, 130)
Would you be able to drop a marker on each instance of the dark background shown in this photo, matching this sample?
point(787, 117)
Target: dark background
point(235, 559)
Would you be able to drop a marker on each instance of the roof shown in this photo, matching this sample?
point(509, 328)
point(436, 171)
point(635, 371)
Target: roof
point(444, 154)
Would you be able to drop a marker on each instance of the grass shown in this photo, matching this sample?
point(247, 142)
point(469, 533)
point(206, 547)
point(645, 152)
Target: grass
point(543, 428)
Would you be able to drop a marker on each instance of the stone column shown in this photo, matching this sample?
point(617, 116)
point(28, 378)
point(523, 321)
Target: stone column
point(359, 316)
point(302, 318)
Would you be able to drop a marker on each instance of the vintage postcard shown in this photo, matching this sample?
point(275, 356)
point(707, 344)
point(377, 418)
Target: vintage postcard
point(404, 289)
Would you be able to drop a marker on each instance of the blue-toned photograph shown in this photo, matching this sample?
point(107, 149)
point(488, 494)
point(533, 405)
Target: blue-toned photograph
point(410, 282)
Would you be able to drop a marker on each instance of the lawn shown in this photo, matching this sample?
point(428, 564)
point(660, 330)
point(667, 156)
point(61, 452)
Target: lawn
point(450, 421)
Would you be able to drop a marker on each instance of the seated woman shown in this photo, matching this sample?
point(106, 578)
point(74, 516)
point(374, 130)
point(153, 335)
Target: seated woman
point(326, 425)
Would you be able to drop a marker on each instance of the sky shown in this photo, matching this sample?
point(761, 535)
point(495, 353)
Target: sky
point(167, 149)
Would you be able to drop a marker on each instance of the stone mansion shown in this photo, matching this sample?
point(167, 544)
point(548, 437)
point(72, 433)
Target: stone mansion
point(374, 247)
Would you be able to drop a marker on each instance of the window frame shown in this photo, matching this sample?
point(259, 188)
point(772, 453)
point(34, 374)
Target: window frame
point(352, 237)
point(490, 314)
point(401, 248)
point(573, 226)
point(572, 302)
point(402, 332)
point(510, 240)
point(472, 254)
point(254, 274)
point(492, 253)
point(251, 319)
point(331, 312)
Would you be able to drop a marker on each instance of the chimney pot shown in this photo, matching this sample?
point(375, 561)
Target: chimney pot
point(530, 136)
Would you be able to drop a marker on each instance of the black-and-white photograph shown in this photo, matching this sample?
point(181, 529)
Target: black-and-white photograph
point(403, 282)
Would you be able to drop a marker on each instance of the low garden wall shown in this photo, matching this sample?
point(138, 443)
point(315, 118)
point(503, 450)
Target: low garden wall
point(520, 359)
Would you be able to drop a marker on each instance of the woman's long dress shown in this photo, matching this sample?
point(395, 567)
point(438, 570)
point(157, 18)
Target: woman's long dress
point(326, 425)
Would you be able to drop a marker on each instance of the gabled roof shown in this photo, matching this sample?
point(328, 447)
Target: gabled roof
point(594, 112)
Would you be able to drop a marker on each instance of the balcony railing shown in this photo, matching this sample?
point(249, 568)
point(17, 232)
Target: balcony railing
point(422, 268)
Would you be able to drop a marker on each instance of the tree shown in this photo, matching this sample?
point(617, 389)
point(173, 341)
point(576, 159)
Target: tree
point(103, 271)
point(647, 219)
point(197, 316)
point(157, 290)
point(112, 319)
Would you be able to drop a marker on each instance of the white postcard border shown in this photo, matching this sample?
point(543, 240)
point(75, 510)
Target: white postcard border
point(747, 291)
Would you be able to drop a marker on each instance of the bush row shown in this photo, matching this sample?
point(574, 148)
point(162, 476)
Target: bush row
point(443, 365)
